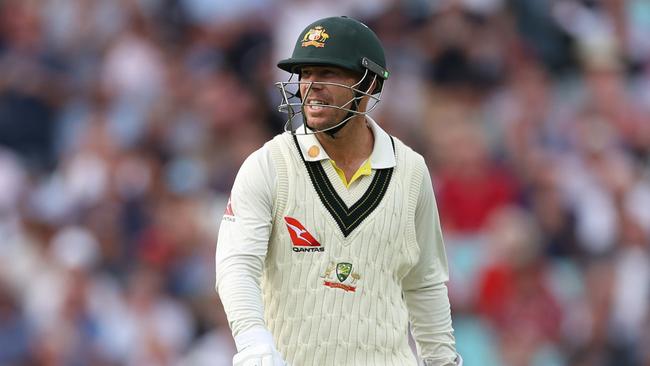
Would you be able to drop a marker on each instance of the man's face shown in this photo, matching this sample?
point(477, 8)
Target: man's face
point(318, 117)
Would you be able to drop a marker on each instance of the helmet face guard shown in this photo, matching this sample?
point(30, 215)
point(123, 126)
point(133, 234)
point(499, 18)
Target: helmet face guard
point(293, 103)
point(340, 42)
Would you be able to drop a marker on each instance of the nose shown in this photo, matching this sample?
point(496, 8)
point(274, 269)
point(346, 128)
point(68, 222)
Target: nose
point(308, 85)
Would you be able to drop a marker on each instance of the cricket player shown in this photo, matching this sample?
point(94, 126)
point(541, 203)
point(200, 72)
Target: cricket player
point(331, 243)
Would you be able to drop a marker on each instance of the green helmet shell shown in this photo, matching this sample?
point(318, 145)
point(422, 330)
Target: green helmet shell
point(338, 41)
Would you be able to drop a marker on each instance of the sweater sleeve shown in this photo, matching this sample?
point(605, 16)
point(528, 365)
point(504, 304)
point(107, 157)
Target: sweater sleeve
point(243, 241)
point(425, 291)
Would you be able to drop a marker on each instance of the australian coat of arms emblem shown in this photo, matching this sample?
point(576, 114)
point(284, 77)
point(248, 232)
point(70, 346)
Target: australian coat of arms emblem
point(345, 278)
point(315, 37)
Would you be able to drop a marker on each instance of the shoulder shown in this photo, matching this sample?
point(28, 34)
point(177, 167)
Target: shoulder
point(406, 154)
point(263, 158)
point(256, 179)
point(260, 165)
point(258, 159)
point(284, 138)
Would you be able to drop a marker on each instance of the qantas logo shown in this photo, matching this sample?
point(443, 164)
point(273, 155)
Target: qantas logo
point(229, 211)
point(302, 240)
point(229, 214)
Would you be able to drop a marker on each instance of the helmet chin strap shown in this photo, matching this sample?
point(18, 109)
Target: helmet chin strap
point(348, 117)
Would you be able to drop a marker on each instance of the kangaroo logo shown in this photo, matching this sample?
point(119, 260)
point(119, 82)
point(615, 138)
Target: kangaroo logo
point(301, 239)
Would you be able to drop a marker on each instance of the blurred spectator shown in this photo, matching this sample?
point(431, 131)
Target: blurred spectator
point(555, 218)
point(216, 347)
point(513, 293)
point(15, 332)
point(470, 185)
point(31, 84)
point(631, 293)
point(154, 329)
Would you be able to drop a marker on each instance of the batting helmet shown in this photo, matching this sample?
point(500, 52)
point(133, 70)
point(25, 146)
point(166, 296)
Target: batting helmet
point(336, 41)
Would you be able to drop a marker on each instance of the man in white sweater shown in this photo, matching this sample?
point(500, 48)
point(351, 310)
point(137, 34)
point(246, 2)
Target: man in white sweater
point(331, 244)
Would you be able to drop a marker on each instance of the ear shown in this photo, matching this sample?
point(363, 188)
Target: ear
point(376, 85)
point(372, 84)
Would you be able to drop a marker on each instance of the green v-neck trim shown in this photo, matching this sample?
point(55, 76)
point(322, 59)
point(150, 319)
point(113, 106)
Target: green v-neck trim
point(347, 218)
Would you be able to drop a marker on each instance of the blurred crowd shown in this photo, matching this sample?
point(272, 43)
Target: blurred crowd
point(123, 124)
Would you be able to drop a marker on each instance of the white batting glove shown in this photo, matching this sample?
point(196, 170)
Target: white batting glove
point(431, 362)
point(260, 355)
point(256, 348)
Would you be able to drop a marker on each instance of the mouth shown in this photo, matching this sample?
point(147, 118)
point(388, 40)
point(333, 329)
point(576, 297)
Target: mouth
point(315, 104)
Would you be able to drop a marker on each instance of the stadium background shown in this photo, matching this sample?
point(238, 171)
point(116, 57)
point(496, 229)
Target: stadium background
point(123, 123)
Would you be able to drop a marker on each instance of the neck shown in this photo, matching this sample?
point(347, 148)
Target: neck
point(353, 143)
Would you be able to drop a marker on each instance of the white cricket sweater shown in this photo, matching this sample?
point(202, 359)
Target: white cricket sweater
point(341, 306)
point(347, 301)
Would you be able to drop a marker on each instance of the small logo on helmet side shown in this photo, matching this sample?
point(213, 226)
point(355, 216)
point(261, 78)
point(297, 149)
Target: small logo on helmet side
point(315, 37)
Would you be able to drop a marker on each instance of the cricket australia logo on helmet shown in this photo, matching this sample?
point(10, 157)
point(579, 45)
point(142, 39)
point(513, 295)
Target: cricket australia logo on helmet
point(301, 239)
point(315, 37)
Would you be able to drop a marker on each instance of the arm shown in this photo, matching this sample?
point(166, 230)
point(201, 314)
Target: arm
point(425, 291)
point(241, 248)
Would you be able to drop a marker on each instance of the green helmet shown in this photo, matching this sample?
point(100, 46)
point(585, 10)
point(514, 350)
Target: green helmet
point(338, 41)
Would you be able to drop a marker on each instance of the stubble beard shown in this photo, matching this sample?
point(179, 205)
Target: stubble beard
point(319, 123)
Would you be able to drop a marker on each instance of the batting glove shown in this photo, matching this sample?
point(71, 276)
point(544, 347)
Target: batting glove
point(260, 355)
point(431, 362)
point(256, 348)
